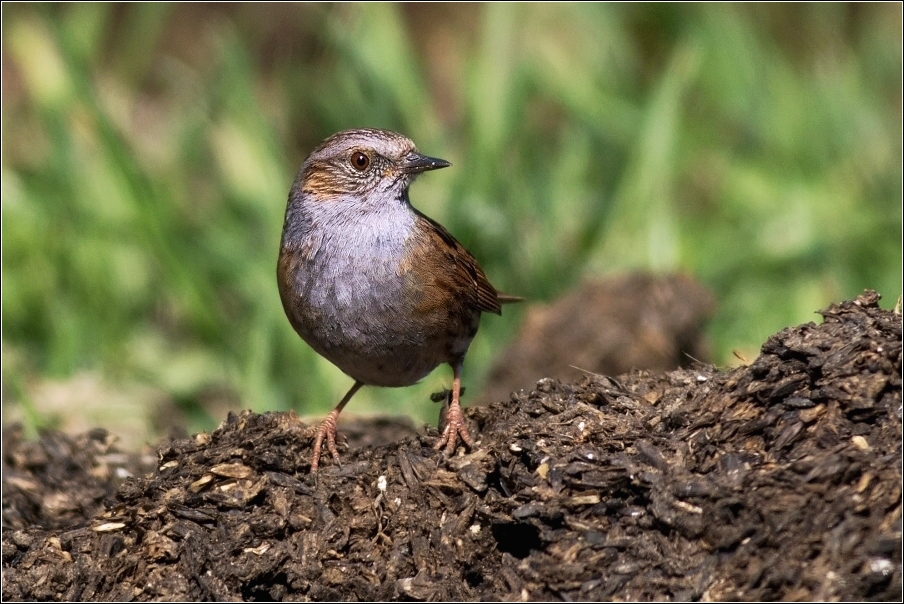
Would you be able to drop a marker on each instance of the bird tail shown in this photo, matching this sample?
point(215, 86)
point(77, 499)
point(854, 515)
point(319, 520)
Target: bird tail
point(508, 299)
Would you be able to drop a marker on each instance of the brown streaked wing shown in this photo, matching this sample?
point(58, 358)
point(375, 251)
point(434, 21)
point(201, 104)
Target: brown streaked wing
point(463, 270)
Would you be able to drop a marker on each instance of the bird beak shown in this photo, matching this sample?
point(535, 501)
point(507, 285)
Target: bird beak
point(415, 163)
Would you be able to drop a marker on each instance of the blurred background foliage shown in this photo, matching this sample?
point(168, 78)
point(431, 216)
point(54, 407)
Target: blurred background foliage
point(148, 150)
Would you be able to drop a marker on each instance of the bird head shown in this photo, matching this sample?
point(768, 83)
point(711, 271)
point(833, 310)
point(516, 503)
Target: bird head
point(374, 166)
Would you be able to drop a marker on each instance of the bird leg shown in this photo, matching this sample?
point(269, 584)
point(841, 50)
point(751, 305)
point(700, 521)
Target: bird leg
point(455, 421)
point(328, 429)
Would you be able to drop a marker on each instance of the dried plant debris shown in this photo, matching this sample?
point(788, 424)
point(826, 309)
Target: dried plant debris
point(776, 481)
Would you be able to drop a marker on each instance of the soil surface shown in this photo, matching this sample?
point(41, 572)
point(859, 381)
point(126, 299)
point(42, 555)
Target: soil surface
point(778, 480)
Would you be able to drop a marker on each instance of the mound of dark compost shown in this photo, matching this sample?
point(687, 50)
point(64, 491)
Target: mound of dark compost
point(609, 325)
point(780, 480)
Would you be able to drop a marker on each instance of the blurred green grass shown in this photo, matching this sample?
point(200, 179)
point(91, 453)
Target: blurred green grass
point(148, 150)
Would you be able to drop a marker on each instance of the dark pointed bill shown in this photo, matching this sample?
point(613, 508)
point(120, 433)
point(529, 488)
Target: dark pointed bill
point(415, 163)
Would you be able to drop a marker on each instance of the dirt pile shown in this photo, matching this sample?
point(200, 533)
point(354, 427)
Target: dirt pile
point(779, 480)
point(609, 326)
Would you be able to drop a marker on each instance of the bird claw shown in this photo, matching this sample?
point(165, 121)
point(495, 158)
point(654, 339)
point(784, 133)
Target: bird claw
point(455, 428)
point(326, 430)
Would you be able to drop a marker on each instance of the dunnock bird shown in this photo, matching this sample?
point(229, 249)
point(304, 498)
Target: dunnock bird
point(380, 290)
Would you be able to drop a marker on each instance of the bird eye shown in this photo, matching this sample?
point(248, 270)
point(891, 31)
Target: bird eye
point(360, 161)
